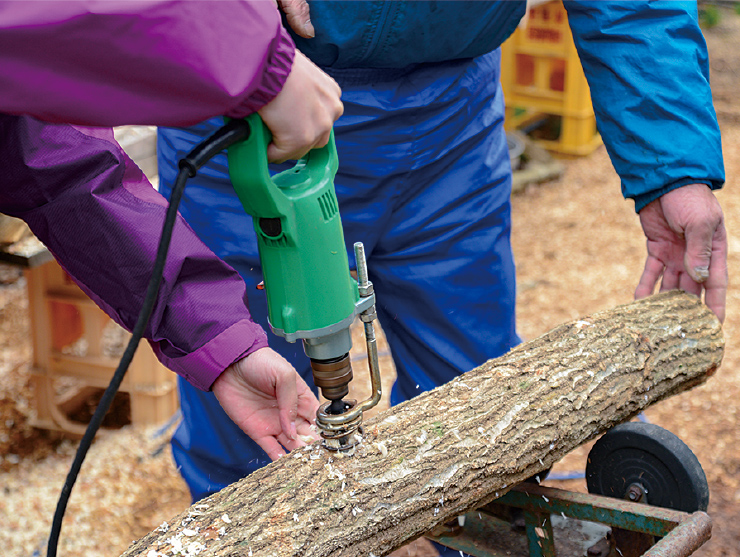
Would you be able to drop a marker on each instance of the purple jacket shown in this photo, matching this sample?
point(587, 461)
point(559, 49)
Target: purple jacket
point(106, 63)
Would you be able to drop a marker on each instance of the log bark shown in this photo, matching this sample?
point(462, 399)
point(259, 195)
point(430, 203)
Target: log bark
point(459, 446)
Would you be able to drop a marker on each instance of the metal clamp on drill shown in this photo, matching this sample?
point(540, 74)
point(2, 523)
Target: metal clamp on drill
point(311, 294)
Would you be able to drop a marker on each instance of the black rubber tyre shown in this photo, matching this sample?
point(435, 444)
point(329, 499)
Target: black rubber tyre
point(653, 458)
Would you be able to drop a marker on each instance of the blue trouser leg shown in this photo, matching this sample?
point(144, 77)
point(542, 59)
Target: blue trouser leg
point(450, 306)
point(426, 189)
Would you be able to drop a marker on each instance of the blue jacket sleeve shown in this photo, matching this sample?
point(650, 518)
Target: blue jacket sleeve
point(647, 66)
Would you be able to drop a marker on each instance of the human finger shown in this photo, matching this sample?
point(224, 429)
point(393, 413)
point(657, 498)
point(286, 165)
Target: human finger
point(287, 400)
point(716, 299)
point(715, 288)
point(298, 147)
point(650, 276)
point(298, 15)
point(271, 446)
point(322, 140)
point(687, 284)
point(697, 257)
point(670, 280)
point(308, 404)
point(293, 444)
point(307, 431)
point(278, 154)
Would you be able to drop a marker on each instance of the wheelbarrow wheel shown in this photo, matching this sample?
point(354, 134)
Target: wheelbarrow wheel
point(645, 463)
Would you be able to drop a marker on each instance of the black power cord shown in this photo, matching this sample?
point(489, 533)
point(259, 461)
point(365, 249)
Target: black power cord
point(233, 132)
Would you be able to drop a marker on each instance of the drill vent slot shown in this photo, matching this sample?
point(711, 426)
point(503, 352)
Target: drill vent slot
point(328, 204)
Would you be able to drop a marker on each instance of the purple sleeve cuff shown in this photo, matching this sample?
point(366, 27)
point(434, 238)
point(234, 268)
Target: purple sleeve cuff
point(280, 62)
point(202, 367)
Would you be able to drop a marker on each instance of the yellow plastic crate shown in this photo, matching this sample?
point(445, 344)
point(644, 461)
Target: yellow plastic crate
point(542, 76)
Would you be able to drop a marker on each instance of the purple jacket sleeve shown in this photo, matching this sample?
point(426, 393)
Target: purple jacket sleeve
point(96, 212)
point(155, 62)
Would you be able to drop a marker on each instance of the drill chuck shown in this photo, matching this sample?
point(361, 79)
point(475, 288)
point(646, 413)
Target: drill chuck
point(333, 377)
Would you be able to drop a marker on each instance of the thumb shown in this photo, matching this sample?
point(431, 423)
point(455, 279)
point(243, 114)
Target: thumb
point(287, 400)
point(276, 154)
point(698, 250)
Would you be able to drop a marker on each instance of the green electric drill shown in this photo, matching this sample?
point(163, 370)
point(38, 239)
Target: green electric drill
point(311, 294)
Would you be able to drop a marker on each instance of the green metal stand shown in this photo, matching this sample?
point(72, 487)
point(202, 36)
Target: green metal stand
point(486, 534)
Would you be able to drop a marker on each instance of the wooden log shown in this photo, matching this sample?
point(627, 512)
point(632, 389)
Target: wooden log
point(453, 449)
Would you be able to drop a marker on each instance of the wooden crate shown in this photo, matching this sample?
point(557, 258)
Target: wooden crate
point(69, 354)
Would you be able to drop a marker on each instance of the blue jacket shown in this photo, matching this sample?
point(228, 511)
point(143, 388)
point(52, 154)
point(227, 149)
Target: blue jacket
point(646, 63)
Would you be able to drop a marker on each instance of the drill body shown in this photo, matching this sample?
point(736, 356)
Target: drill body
point(311, 294)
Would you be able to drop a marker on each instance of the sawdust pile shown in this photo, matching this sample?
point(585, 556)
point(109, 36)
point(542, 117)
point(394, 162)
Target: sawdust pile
point(128, 483)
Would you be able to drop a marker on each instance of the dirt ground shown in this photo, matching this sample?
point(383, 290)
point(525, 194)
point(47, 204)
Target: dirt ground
point(579, 249)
